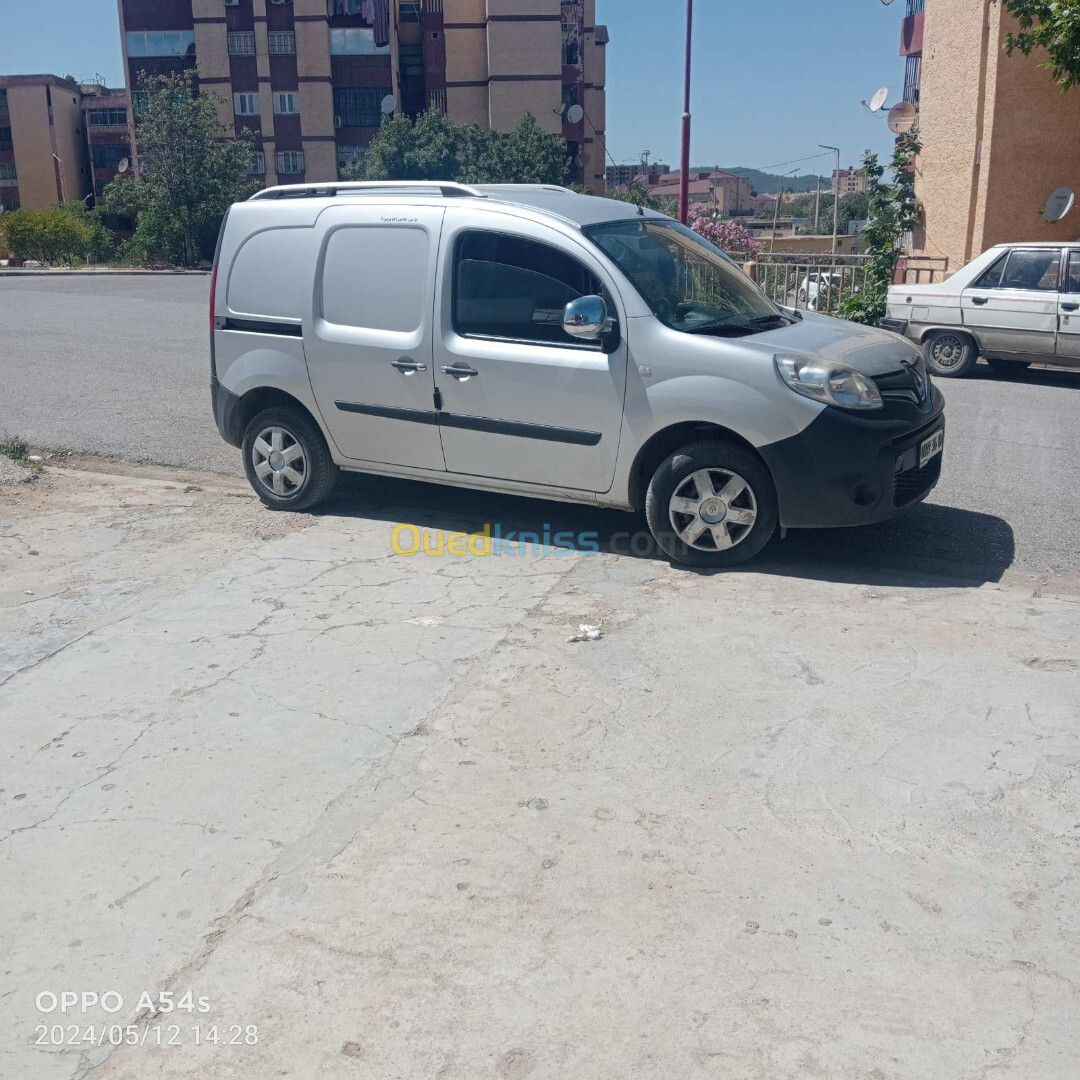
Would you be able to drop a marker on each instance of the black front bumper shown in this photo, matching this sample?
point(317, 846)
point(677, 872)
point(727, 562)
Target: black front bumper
point(846, 469)
point(227, 413)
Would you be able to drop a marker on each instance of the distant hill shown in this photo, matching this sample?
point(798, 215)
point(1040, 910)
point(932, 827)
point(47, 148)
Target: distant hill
point(765, 183)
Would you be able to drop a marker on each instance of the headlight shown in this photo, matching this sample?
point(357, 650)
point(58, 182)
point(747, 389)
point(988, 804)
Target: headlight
point(834, 384)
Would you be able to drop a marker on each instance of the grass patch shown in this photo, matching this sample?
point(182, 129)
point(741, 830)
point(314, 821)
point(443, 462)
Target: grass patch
point(16, 448)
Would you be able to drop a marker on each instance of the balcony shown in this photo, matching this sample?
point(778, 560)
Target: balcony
point(911, 34)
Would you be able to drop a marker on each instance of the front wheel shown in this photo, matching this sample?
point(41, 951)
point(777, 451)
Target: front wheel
point(949, 355)
point(287, 460)
point(1009, 367)
point(712, 504)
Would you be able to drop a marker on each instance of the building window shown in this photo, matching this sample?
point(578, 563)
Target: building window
point(246, 104)
point(355, 41)
point(258, 163)
point(242, 43)
point(290, 162)
point(281, 42)
point(107, 155)
point(7, 171)
point(9, 205)
point(161, 43)
point(350, 155)
point(106, 117)
point(3, 98)
point(571, 47)
point(409, 11)
point(286, 102)
point(5, 138)
point(358, 107)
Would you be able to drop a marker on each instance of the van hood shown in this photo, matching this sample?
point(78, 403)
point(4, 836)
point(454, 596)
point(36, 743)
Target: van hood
point(867, 349)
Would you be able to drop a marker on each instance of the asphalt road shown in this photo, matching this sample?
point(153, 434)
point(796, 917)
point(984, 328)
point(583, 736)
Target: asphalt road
point(118, 367)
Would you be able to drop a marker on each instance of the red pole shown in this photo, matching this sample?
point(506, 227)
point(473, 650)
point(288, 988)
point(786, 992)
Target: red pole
point(684, 178)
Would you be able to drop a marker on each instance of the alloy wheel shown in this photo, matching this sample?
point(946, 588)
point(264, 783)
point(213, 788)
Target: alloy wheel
point(713, 509)
point(280, 462)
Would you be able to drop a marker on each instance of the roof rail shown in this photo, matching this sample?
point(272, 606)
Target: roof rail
point(445, 189)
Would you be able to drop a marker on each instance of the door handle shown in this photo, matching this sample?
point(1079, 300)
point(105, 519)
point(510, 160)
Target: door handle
point(408, 366)
point(979, 299)
point(1069, 307)
point(460, 371)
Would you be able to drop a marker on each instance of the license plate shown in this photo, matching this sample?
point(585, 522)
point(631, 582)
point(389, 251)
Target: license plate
point(930, 448)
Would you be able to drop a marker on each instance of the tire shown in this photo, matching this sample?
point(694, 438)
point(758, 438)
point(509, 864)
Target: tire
point(949, 353)
point(677, 478)
point(303, 475)
point(1009, 367)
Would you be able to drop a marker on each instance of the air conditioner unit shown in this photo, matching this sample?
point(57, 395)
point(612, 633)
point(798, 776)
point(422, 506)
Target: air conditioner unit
point(337, 121)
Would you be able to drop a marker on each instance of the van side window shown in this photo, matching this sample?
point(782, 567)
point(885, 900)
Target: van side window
point(510, 287)
point(376, 277)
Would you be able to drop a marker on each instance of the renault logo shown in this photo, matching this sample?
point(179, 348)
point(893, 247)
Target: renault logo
point(917, 377)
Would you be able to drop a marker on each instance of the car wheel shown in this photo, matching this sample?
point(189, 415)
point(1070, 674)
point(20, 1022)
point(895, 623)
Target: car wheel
point(287, 460)
point(1009, 367)
point(949, 354)
point(712, 504)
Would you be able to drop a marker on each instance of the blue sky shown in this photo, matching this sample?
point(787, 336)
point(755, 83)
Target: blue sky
point(773, 78)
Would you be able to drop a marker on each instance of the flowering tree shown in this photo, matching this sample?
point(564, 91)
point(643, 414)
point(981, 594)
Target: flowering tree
point(729, 236)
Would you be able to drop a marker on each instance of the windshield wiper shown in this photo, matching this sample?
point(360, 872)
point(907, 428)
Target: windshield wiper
point(736, 329)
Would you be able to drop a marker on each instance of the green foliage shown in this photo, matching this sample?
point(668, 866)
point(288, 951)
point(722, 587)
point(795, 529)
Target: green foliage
point(1053, 25)
point(14, 447)
point(191, 169)
point(433, 147)
point(65, 233)
point(855, 205)
point(893, 212)
point(638, 195)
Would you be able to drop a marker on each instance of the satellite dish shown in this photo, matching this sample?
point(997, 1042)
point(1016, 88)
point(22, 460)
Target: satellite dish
point(389, 105)
point(902, 117)
point(879, 99)
point(575, 114)
point(1059, 204)
point(123, 165)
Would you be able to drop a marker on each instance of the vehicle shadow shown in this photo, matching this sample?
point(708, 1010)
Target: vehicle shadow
point(931, 546)
point(1057, 377)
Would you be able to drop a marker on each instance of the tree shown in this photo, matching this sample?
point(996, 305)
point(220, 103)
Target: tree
point(191, 169)
point(1053, 25)
point(893, 212)
point(728, 235)
point(433, 147)
point(853, 206)
point(65, 233)
point(639, 195)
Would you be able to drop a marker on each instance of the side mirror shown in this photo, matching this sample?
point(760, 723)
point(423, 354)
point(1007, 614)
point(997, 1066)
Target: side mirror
point(586, 318)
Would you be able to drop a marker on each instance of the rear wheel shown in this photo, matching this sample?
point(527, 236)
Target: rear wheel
point(1009, 367)
point(287, 460)
point(949, 354)
point(712, 504)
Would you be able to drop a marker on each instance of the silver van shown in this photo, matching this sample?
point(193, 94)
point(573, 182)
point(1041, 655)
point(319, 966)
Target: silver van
point(530, 340)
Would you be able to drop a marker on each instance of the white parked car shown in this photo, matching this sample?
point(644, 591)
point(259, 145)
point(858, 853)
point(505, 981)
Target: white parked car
point(1016, 304)
point(814, 289)
point(529, 340)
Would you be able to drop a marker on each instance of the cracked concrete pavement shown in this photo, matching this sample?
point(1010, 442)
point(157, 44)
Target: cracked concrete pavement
point(785, 822)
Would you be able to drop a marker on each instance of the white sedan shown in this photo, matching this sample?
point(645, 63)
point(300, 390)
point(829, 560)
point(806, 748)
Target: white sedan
point(1016, 304)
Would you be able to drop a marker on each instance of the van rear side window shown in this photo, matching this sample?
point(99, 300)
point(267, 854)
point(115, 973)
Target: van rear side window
point(271, 275)
point(376, 277)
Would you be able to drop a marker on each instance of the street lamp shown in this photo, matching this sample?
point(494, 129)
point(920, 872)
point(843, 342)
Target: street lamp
point(836, 193)
point(684, 178)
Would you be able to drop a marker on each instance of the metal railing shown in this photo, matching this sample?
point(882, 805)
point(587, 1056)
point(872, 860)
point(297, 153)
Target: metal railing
point(808, 281)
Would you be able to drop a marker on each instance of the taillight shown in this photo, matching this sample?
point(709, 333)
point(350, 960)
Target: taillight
point(213, 296)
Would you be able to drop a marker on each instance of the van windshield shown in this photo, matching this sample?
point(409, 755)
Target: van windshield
point(690, 285)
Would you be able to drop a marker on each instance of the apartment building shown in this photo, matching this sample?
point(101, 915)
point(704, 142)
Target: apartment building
point(312, 79)
point(849, 181)
point(723, 192)
point(649, 173)
point(997, 133)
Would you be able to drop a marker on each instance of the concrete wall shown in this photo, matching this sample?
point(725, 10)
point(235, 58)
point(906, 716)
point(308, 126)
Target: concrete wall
point(35, 141)
point(998, 136)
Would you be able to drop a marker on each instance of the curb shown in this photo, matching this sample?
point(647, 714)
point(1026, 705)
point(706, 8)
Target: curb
point(19, 272)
